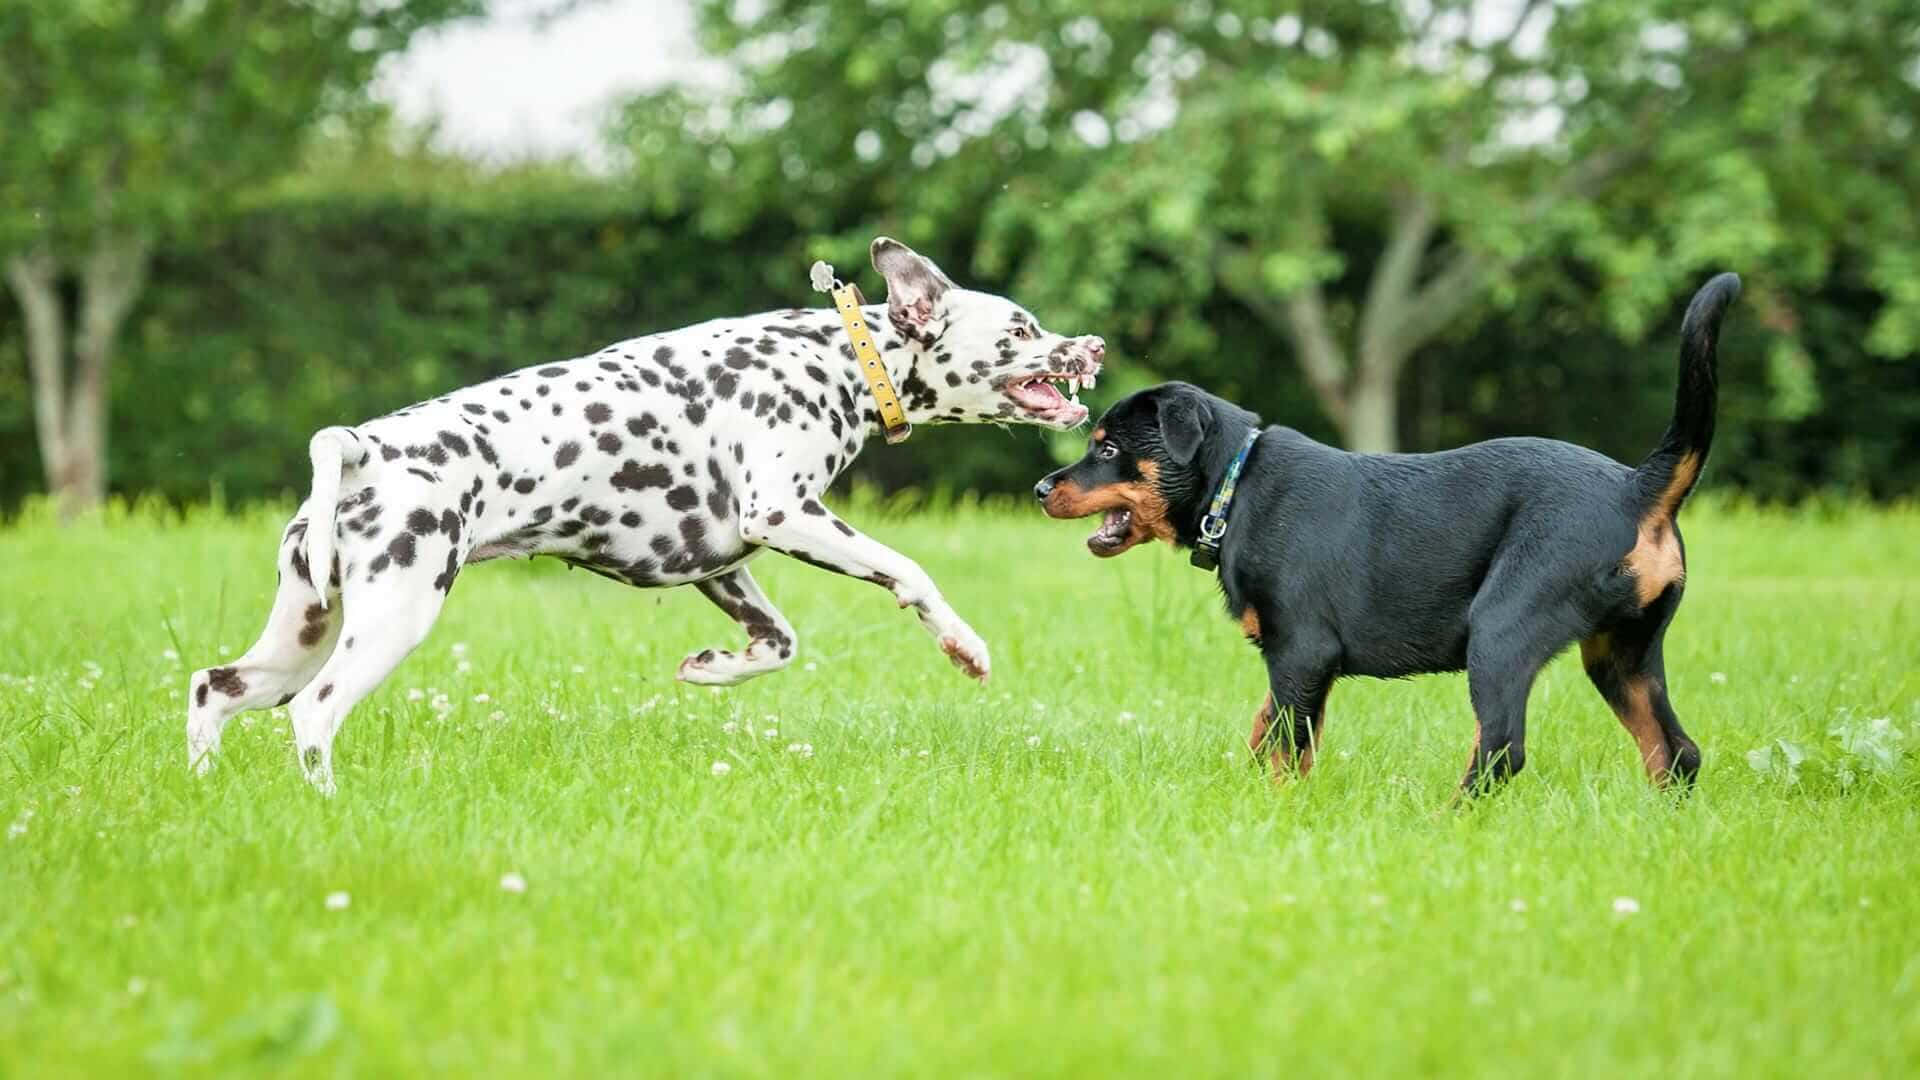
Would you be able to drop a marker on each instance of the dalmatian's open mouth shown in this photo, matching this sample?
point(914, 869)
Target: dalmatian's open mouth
point(1054, 405)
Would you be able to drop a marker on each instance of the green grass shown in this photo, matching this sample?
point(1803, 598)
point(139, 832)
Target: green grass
point(1071, 871)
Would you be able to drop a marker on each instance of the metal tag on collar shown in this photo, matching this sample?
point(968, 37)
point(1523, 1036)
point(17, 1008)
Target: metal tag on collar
point(1205, 556)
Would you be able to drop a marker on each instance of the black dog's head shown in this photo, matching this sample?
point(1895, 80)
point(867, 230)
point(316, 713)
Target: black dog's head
point(1151, 466)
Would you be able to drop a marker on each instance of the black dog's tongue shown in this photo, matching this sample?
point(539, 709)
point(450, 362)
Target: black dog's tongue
point(1112, 532)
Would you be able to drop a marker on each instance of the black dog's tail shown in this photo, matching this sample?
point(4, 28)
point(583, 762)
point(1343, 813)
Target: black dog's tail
point(1665, 478)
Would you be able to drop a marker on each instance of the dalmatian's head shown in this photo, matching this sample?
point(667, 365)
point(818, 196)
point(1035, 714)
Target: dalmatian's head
point(980, 357)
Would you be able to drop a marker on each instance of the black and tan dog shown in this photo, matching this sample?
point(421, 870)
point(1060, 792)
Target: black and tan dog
point(1492, 557)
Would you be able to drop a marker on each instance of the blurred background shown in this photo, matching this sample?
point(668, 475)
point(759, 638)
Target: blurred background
point(1393, 224)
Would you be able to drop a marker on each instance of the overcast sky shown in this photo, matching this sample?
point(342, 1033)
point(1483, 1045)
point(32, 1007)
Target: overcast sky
point(506, 85)
point(509, 84)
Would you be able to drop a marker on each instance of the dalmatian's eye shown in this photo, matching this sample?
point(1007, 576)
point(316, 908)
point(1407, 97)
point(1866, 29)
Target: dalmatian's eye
point(1023, 332)
point(1107, 451)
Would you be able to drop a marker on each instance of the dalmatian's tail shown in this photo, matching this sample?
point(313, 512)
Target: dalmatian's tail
point(329, 450)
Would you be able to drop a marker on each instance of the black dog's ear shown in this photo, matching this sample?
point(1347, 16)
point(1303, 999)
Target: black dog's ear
point(1184, 423)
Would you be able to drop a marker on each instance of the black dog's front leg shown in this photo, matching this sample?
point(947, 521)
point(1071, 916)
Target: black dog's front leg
point(1286, 729)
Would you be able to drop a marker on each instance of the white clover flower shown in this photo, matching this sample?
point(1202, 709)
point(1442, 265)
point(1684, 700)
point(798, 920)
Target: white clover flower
point(1033, 740)
point(1518, 905)
point(338, 901)
point(1625, 905)
point(1719, 678)
point(416, 694)
point(482, 699)
point(512, 882)
point(730, 727)
point(721, 768)
point(459, 648)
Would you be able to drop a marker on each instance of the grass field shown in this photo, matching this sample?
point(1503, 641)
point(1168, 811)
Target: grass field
point(1071, 871)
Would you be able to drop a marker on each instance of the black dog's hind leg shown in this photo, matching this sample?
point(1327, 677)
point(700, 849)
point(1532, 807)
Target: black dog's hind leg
point(1286, 729)
point(1512, 632)
point(1627, 665)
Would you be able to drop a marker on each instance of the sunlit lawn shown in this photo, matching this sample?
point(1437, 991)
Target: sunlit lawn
point(866, 865)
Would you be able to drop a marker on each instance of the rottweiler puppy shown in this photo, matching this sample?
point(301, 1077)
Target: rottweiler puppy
point(1492, 557)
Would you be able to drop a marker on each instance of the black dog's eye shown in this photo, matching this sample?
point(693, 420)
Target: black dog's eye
point(1107, 451)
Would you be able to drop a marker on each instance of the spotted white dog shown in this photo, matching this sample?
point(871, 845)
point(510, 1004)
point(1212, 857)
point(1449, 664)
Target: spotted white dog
point(666, 460)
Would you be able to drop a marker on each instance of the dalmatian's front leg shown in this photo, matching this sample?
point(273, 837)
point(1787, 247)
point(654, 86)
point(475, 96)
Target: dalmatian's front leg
point(813, 534)
point(770, 641)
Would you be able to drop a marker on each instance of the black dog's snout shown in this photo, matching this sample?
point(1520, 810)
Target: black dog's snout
point(1043, 489)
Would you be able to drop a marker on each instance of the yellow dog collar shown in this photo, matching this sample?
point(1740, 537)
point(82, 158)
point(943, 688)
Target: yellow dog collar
point(848, 301)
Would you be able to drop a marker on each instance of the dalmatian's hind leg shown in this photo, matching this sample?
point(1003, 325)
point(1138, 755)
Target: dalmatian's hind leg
point(299, 635)
point(385, 621)
point(770, 642)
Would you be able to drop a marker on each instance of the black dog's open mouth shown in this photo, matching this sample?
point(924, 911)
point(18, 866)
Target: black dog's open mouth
point(1043, 401)
point(1114, 535)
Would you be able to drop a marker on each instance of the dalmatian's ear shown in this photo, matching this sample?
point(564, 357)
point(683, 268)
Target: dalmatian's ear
point(914, 285)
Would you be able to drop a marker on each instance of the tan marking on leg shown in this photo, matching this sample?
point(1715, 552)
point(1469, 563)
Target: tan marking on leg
point(1473, 756)
point(1250, 623)
point(1262, 719)
point(1280, 759)
point(1636, 715)
point(1305, 762)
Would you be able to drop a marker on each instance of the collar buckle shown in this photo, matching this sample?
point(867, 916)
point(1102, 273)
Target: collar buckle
point(1213, 526)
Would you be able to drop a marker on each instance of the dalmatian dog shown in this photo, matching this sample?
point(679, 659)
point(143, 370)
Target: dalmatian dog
point(671, 459)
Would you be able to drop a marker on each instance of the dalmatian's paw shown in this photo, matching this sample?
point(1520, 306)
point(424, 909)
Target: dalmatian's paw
point(717, 667)
point(967, 652)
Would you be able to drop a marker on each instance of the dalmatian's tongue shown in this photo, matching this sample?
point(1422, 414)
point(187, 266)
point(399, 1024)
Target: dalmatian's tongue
point(1041, 398)
point(1114, 531)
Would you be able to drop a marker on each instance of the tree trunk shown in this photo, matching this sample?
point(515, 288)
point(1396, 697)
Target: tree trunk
point(1373, 407)
point(70, 393)
point(34, 279)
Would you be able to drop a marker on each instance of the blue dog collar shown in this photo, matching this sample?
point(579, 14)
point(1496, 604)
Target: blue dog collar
point(1206, 550)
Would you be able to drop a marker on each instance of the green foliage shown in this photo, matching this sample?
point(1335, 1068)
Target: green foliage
point(1138, 166)
point(1858, 749)
point(143, 114)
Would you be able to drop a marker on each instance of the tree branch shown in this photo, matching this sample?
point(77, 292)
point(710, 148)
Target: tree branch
point(1301, 315)
point(1391, 289)
point(1449, 291)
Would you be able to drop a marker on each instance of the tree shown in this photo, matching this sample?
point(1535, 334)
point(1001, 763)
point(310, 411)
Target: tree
point(1131, 158)
point(130, 118)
